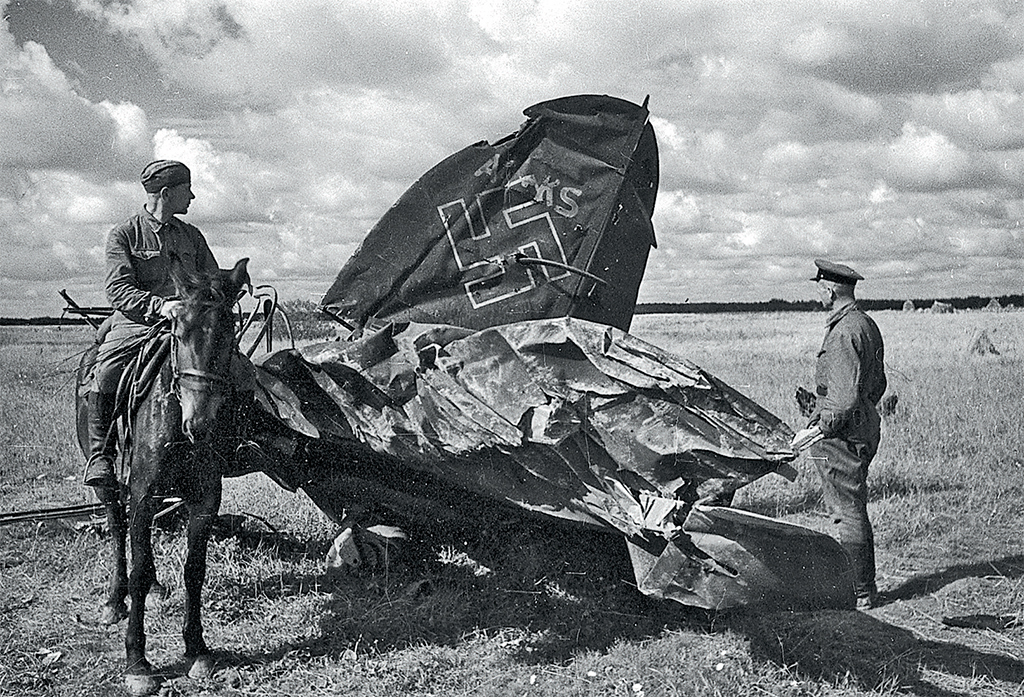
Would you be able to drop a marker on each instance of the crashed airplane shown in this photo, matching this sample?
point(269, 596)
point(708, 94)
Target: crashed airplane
point(489, 312)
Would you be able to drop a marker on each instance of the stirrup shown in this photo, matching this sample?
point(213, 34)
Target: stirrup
point(99, 472)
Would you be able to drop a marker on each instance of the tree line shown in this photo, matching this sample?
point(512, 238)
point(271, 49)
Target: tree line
point(972, 302)
point(309, 323)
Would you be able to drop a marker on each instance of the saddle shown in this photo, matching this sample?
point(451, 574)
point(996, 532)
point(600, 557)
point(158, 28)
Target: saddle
point(136, 382)
point(138, 377)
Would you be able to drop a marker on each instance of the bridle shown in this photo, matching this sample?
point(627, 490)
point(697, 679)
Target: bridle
point(201, 376)
point(266, 297)
point(204, 378)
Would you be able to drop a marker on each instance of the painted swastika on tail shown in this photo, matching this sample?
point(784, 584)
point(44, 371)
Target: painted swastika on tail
point(484, 245)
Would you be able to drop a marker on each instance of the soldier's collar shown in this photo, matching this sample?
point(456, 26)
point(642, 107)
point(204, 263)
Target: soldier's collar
point(155, 224)
point(838, 313)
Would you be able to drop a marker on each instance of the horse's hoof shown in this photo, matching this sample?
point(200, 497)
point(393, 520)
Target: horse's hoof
point(112, 613)
point(202, 668)
point(139, 685)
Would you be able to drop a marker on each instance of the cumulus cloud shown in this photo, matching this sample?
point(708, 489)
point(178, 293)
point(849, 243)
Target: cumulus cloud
point(275, 48)
point(787, 130)
point(925, 159)
point(44, 124)
point(984, 119)
point(918, 47)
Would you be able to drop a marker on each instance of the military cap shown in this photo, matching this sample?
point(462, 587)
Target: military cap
point(837, 273)
point(160, 173)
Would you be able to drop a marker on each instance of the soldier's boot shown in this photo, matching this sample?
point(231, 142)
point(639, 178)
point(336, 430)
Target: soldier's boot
point(99, 469)
point(862, 557)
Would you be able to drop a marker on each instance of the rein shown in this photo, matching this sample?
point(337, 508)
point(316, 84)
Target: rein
point(267, 308)
point(205, 378)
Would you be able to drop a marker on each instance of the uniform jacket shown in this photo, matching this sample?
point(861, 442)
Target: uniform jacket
point(850, 376)
point(138, 265)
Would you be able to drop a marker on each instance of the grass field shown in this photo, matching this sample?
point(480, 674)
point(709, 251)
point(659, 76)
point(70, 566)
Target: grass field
point(525, 608)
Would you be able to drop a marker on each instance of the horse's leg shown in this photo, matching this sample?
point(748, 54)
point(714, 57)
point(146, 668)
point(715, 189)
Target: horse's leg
point(114, 609)
point(140, 677)
point(201, 515)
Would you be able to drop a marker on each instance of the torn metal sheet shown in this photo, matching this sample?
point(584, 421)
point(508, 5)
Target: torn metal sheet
point(725, 558)
point(577, 421)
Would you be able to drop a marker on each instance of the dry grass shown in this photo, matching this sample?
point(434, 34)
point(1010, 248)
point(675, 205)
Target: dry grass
point(555, 613)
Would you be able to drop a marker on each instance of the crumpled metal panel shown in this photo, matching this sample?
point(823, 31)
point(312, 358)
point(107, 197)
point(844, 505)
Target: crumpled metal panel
point(725, 558)
point(570, 419)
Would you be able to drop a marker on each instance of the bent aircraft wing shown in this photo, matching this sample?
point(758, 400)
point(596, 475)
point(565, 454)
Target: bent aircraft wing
point(565, 418)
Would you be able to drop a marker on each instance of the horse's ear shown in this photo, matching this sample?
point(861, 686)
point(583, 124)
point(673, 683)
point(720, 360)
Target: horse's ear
point(239, 274)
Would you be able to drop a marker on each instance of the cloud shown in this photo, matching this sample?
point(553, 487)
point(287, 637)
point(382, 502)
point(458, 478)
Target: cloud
point(793, 161)
point(44, 124)
point(787, 129)
point(983, 119)
point(924, 159)
point(698, 160)
point(918, 47)
point(265, 51)
point(60, 218)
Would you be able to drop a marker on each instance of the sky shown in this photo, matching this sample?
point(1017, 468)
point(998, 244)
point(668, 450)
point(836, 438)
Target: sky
point(885, 135)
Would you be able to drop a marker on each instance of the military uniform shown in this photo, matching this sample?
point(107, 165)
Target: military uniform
point(850, 380)
point(138, 282)
point(139, 255)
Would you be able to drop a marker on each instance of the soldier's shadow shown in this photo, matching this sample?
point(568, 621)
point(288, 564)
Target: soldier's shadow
point(837, 646)
point(842, 646)
point(1009, 567)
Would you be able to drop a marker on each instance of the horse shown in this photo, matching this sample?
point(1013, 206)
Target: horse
point(181, 444)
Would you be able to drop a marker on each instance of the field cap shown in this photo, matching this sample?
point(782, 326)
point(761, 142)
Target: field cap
point(837, 273)
point(160, 173)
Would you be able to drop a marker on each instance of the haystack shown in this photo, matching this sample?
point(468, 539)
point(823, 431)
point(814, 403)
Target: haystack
point(908, 306)
point(981, 345)
point(993, 305)
point(942, 308)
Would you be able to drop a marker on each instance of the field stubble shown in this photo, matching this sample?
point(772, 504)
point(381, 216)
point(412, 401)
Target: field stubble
point(523, 608)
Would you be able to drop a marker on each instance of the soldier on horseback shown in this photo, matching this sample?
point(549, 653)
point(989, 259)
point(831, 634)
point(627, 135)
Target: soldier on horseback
point(139, 254)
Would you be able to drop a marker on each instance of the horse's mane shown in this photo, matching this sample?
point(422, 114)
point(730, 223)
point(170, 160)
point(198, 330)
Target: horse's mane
point(219, 287)
point(217, 290)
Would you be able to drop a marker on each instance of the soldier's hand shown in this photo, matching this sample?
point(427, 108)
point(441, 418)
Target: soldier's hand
point(805, 438)
point(171, 308)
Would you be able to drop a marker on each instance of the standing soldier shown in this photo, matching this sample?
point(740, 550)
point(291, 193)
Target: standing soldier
point(843, 433)
point(140, 289)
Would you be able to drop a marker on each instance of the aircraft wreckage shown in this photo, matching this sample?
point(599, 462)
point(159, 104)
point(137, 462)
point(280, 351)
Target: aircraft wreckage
point(490, 353)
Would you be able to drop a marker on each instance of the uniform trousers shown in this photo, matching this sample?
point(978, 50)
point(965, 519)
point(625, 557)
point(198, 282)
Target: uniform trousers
point(843, 466)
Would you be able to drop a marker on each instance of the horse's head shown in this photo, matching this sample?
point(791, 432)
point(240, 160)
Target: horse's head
point(203, 340)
